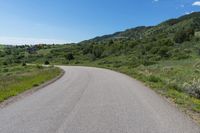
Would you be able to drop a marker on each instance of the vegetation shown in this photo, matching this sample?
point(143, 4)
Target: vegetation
point(17, 79)
point(166, 57)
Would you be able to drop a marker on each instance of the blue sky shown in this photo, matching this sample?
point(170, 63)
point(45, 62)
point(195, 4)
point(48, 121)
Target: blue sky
point(60, 21)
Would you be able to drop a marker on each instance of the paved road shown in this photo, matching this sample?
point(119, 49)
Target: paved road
point(92, 100)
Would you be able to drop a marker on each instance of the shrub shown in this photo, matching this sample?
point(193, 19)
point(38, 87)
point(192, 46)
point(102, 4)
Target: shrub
point(97, 51)
point(164, 51)
point(179, 54)
point(5, 63)
point(135, 62)
point(174, 85)
point(193, 88)
point(35, 85)
point(46, 62)
point(23, 64)
point(70, 56)
point(197, 65)
point(184, 35)
point(154, 79)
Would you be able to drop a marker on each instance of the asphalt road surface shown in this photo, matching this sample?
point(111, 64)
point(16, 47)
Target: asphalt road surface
point(93, 100)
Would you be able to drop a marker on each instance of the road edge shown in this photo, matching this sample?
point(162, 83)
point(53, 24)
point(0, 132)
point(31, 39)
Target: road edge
point(31, 91)
point(187, 113)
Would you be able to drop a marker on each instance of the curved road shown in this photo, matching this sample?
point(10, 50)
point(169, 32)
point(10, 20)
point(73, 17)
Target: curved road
point(93, 100)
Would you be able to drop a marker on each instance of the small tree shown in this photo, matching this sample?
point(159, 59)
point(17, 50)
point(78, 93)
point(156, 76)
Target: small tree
point(46, 62)
point(70, 56)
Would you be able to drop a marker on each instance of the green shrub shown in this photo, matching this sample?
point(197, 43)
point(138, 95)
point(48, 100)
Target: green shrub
point(69, 56)
point(154, 79)
point(23, 64)
point(193, 88)
point(35, 85)
point(174, 85)
point(5, 63)
point(164, 52)
point(46, 62)
point(184, 35)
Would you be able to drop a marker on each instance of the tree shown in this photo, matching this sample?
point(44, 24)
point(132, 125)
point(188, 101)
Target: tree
point(70, 56)
point(184, 35)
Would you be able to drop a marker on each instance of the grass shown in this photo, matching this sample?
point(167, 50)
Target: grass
point(17, 79)
point(166, 78)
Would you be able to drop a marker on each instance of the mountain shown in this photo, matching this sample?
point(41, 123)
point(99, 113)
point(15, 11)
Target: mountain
point(167, 29)
point(172, 39)
point(129, 33)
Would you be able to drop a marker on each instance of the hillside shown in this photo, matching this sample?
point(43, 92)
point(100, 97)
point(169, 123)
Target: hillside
point(168, 28)
point(174, 39)
point(166, 57)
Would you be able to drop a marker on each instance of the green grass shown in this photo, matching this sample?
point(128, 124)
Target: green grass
point(18, 79)
point(166, 78)
point(165, 57)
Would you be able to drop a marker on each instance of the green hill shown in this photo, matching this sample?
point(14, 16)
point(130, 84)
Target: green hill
point(167, 28)
point(166, 56)
point(173, 39)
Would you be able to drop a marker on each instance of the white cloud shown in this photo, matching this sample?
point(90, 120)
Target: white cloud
point(22, 41)
point(187, 13)
point(197, 3)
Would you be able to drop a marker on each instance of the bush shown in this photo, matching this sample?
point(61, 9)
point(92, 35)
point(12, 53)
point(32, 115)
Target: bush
point(97, 51)
point(193, 88)
point(184, 35)
point(135, 62)
point(154, 79)
point(174, 85)
point(164, 51)
point(5, 63)
point(70, 56)
point(23, 64)
point(35, 85)
point(46, 63)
